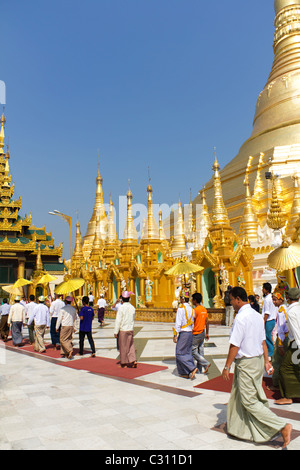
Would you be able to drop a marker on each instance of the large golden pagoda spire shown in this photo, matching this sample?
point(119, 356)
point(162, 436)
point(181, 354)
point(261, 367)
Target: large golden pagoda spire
point(219, 214)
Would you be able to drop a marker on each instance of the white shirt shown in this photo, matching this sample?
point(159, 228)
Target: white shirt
point(55, 307)
point(91, 298)
point(248, 332)
point(269, 308)
point(4, 309)
point(67, 316)
point(181, 318)
point(101, 303)
point(125, 318)
point(293, 322)
point(29, 308)
point(16, 313)
point(40, 315)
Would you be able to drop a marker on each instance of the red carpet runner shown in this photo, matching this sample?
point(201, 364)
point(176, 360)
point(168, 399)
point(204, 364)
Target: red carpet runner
point(96, 365)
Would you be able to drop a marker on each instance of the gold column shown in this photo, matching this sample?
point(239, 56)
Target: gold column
point(21, 268)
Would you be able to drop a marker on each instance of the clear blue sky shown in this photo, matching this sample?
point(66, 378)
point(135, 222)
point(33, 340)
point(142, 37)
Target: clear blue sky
point(154, 83)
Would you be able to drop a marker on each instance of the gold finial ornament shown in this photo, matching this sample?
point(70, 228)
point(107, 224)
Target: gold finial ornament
point(219, 214)
point(275, 218)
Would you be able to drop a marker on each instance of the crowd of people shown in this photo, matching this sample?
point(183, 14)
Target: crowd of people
point(263, 338)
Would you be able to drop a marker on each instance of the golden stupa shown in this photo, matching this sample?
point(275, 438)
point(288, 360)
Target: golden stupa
point(273, 148)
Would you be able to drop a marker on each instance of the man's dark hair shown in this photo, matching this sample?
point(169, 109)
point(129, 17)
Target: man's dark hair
point(239, 292)
point(5, 300)
point(31, 297)
point(85, 300)
point(197, 297)
point(267, 286)
point(125, 299)
point(251, 298)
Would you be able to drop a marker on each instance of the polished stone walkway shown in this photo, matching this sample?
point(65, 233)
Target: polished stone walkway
point(45, 406)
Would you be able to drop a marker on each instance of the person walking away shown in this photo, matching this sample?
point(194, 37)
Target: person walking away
point(269, 314)
point(28, 311)
point(101, 309)
point(4, 328)
point(248, 414)
point(123, 330)
point(229, 311)
point(289, 372)
point(67, 318)
point(16, 320)
point(55, 308)
point(41, 318)
point(200, 332)
point(183, 337)
point(86, 316)
point(282, 340)
point(91, 299)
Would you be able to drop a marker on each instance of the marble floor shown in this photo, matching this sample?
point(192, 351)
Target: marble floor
point(47, 407)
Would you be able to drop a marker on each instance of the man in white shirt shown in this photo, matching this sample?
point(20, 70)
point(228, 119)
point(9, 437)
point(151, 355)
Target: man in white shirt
point(67, 319)
point(55, 308)
point(91, 299)
point(101, 304)
point(16, 320)
point(40, 316)
point(4, 328)
point(269, 314)
point(123, 331)
point(289, 372)
point(248, 413)
point(28, 311)
point(184, 341)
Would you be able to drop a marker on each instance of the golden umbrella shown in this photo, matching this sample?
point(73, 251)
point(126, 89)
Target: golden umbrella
point(13, 290)
point(183, 267)
point(69, 286)
point(286, 257)
point(46, 278)
point(21, 282)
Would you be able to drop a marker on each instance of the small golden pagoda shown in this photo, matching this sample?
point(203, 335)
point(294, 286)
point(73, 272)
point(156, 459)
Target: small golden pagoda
point(110, 265)
point(25, 250)
point(226, 257)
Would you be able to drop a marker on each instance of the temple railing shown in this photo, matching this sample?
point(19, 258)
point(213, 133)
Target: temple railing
point(168, 315)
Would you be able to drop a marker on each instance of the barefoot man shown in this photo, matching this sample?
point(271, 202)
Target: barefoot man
point(248, 413)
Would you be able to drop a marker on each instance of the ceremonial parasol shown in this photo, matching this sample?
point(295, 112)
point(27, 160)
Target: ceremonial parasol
point(46, 278)
point(183, 267)
point(69, 286)
point(21, 282)
point(13, 290)
point(286, 257)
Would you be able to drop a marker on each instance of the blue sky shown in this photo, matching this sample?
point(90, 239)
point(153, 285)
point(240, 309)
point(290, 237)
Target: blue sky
point(150, 83)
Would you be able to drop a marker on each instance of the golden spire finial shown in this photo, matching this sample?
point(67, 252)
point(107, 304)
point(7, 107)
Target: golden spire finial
point(152, 231)
point(249, 223)
point(130, 233)
point(2, 135)
point(219, 213)
point(205, 212)
point(275, 218)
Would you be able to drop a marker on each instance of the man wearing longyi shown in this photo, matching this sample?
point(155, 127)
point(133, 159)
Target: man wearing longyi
point(248, 413)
